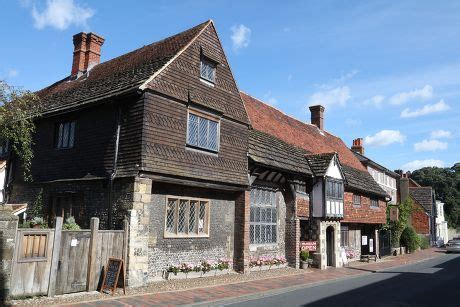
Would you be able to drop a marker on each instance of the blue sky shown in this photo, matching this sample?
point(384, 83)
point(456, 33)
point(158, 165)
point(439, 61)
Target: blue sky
point(387, 71)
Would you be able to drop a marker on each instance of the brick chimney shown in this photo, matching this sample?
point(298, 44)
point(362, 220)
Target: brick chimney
point(404, 186)
point(87, 52)
point(358, 146)
point(317, 116)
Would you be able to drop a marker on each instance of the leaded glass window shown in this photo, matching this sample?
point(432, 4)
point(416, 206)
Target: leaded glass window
point(64, 135)
point(186, 217)
point(203, 132)
point(263, 216)
point(374, 202)
point(334, 189)
point(208, 70)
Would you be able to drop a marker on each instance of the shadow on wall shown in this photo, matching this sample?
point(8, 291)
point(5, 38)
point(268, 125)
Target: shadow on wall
point(438, 286)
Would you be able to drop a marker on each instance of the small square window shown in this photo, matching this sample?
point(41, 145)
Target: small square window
point(208, 70)
point(374, 203)
point(203, 132)
point(356, 200)
point(64, 135)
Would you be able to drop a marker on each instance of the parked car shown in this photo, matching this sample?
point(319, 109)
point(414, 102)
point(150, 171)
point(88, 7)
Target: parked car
point(453, 245)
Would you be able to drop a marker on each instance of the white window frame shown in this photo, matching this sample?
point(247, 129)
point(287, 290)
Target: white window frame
point(207, 116)
point(272, 205)
point(360, 200)
point(187, 234)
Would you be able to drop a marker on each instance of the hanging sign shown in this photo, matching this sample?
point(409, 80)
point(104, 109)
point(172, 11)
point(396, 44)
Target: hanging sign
point(114, 275)
point(308, 245)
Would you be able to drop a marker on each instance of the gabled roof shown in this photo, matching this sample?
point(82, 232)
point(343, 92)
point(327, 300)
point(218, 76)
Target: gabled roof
point(119, 75)
point(367, 161)
point(423, 196)
point(271, 151)
point(320, 163)
point(267, 119)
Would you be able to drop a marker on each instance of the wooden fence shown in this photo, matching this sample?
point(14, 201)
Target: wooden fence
point(56, 261)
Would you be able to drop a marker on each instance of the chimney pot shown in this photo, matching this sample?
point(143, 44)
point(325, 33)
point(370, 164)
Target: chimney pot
point(87, 51)
point(358, 146)
point(317, 116)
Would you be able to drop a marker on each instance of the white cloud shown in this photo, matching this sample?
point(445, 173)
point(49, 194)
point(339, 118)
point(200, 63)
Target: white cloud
point(338, 81)
point(384, 138)
point(60, 14)
point(241, 36)
point(440, 134)
point(430, 145)
point(337, 96)
point(417, 164)
point(427, 109)
point(422, 93)
point(375, 101)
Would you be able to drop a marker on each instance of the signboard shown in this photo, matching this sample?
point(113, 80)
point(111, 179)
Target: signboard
point(371, 245)
point(394, 213)
point(364, 240)
point(308, 245)
point(114, 275)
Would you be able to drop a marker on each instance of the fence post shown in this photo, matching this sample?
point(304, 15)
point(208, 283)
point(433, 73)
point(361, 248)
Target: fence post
point(125, 244)
point(90, 280)
point(55, 256)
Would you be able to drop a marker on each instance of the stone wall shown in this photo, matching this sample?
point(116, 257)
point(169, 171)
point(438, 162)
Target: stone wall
point(322, 244)
point(8, 227)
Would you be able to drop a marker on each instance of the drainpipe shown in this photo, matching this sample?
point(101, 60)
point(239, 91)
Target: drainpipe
point(114, 170)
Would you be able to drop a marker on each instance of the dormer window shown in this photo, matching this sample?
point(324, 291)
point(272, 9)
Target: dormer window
point(334, 189)
point(208, 70)
point(203, 131)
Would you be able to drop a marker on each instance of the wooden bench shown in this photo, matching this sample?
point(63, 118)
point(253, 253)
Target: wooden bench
point(368, 258)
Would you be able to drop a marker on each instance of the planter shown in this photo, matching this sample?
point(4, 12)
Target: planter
point(37, 226)
point(303, 265)
point(180, 275)
point(267, 267)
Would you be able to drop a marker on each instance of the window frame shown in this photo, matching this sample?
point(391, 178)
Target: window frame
point(59, 138)
point(344, 230)
point(207, 222)
point(334, 182)
point(357, 196)
point(372, 201)
point(207, 116)
point(253, 204)
point(206, 60)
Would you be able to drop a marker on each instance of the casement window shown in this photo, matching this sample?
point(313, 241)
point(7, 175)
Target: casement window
point(344, 238)
point(374, 202)
point(208, 69)
point(3, 147)
point(64, 135)
point(334, 189)
point(203, 132)
point(186, 217)
point(263, 216)
point(356, 200)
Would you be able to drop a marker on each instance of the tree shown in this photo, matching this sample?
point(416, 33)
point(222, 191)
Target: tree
point(17, 111)
point(446, 183)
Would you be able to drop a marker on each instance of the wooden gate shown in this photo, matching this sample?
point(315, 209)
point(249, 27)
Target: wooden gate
point(56, 261)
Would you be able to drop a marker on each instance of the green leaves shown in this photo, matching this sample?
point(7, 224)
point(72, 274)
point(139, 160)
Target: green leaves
point(17, 110)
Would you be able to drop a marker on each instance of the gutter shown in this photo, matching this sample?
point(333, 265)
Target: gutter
point(114, 169)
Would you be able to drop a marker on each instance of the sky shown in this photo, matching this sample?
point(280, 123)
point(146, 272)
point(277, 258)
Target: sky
point(386, 71)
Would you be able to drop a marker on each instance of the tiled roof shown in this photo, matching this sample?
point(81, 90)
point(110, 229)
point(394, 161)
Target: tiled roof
point(118, 75)
point(320, 163)
point(271, 151)
point(362, 181)
point(423, 196)
point(308, 137)
point(272, 121)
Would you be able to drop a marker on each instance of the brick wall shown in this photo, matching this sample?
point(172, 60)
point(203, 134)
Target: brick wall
point(241, 237)
point(420, 220)
point(364, 213)
point(303, 205)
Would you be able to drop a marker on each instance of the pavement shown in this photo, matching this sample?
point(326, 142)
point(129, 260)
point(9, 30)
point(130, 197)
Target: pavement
point(418, 279)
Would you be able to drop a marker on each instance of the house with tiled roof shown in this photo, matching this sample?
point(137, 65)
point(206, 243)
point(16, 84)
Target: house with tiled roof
point(337, 202)
point(158, 135)
point(424, 210)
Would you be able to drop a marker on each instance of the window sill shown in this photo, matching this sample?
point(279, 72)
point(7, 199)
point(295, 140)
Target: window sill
point(374, 207)
point(207, 82)
point(202, 150)
point(174, 236)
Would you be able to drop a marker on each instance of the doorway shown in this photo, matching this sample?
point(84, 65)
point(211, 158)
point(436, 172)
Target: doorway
point(330, 246)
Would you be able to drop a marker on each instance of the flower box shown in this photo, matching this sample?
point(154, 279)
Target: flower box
point(267, 267)
point(180, 275)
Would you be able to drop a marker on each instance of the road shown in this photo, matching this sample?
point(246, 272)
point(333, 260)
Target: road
point(434, 282)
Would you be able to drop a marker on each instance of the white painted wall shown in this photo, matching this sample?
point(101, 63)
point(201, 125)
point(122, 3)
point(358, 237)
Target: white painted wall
point(442, 234)
point(333, 170)
point(387, 183)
